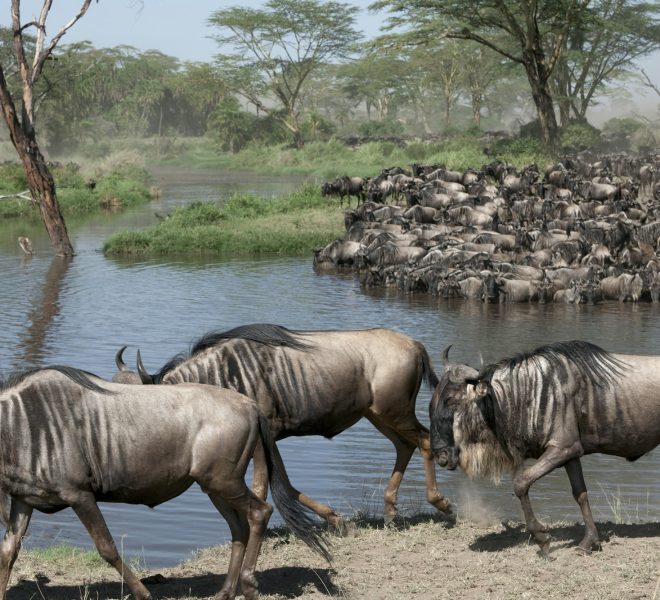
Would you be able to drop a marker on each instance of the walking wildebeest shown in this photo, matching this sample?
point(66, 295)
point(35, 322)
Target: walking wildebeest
point(68, 438)
point(320, 383)
point(556, 404)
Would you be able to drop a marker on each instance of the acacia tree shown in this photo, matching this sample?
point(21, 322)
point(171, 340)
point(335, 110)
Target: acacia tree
point(601, 46)
point(531, 33)
point(377, 78)
point(21, 124)
point(277, 47)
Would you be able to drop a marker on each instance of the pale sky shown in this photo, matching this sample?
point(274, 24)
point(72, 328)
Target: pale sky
point(175, 27)
point(178, 28)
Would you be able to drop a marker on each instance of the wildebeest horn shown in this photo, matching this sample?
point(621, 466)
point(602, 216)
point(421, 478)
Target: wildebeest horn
point(119, 361)
point(445, 355)
point(144, 376)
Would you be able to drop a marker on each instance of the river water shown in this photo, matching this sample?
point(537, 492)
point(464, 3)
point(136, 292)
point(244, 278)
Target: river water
point(80, 314)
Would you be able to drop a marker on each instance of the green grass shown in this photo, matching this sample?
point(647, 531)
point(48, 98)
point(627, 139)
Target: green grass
point(65, 557)
point(117, 189)
point(334, 158)
point(245, 225)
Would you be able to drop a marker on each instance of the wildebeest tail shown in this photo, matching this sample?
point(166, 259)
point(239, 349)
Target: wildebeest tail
point(427, 369)
point(295, 514)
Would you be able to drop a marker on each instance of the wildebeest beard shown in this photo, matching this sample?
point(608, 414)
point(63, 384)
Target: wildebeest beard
point(484, 450)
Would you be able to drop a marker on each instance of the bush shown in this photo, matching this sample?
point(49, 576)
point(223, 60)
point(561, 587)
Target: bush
point(577, 136)
point(12, 178)
point(621, 126)
point(380, 128)
point(69, 176)
point(417, 150)
point(517, 146)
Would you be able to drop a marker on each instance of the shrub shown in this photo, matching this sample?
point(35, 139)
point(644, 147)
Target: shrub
point(578, 136)
point(416, 150)
point(621, 126)
point(12, 178)
point(68, 176)
point(380, 128)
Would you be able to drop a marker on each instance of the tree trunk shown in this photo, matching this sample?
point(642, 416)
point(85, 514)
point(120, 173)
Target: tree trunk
point(538, 81)
point(476, 107)
point(447, 112)
point(40, 180)
point(42, 188)
point(298, 139)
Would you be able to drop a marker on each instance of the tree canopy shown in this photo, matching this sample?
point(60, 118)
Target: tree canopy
point(537, 36)
point(277, 47)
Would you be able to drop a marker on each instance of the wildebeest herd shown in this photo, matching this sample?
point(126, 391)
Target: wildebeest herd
point(69, 438)
point(584, 230)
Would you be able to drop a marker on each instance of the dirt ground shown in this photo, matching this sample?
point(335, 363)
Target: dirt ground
point(424, 558)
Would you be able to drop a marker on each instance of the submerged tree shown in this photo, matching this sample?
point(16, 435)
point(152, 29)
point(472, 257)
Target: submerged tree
point(21, 122)
point(277, 47)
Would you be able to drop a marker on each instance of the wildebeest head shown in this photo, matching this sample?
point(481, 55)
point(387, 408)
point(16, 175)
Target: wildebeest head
point(491, 289)
point(447, 404)
point(463, 424)
point(124, 374)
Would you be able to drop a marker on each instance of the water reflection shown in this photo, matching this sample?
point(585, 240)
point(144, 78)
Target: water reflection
point(32, 346)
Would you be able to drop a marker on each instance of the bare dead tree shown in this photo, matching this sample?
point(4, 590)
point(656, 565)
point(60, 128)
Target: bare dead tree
point(21, 123)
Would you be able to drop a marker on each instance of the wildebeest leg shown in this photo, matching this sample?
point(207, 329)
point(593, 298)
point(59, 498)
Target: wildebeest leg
point(259, 472)
point(240, 534)
point(405, 442)
point(552, 458)
point(433, 496)
point(404, 451)
point(333, 518)
point(19, 519)
point(90, 516)
point(574, 471)
point(247, 517)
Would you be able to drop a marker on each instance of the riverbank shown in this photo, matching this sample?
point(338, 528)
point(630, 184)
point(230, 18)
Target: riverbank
point(425, 558)
point(293, 224)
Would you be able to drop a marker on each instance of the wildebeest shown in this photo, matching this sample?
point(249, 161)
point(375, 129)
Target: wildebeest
point(345, 186)
point(623, 287)
point(555, 404)
point(68, 438)
point(320, 383)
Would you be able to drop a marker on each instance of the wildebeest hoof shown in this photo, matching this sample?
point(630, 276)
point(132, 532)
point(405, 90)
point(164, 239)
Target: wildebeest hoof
point(336, 522)
point(249, 586)
point(586, 545)
point(543, 540)
point(343, 528)
point(155, 578)
point(442, 504)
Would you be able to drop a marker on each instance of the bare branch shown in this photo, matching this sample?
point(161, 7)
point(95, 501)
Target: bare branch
point(649, 83)
point(41, 56)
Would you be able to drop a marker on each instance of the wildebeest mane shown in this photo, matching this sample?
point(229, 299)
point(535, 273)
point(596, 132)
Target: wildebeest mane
point(76, 375)
point(261, 333)
point(598, 365)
